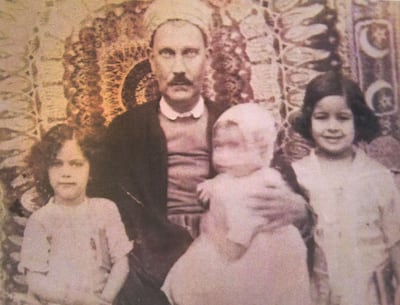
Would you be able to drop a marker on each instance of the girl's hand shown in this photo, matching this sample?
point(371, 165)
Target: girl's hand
point(397, 295)
point(88, 298)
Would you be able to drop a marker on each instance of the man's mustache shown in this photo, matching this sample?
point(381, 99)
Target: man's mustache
point(180, 80)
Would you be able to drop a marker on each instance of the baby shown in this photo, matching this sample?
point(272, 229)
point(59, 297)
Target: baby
point(235, 260)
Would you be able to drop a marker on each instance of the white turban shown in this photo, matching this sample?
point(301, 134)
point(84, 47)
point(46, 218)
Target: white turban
point(193, 11)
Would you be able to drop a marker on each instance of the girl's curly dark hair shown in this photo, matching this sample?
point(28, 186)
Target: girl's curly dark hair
point(44, 152)
point(366, 123)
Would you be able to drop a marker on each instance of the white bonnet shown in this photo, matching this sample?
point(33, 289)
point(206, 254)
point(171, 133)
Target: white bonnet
point(256, 123)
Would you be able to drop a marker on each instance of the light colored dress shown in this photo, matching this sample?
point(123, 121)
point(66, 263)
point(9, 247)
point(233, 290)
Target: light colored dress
point(75, 246)
point(357, 222)
point(272, 270)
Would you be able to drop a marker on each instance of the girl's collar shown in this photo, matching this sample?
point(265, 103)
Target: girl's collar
point(84, 202)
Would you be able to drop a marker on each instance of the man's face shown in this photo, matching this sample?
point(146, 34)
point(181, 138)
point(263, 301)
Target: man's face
point(178, 60)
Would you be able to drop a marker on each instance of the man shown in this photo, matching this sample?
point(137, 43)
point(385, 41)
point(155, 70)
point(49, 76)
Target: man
point(160, 151)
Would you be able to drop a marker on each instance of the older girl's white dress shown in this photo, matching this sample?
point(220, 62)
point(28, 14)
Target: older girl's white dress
point(75, 246)
point(357, 222)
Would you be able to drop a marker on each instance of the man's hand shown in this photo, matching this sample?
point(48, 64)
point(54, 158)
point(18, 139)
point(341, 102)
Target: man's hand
point(278, 203)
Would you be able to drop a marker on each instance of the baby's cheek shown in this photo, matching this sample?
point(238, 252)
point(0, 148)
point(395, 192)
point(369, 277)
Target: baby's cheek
point(218, 168)
point(272, 176)
point(221, 162)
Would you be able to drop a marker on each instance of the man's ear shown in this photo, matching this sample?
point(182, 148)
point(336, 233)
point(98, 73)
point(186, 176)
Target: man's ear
point(208, 56)
point(208, 52)
point(149, 51)
point(150, 55)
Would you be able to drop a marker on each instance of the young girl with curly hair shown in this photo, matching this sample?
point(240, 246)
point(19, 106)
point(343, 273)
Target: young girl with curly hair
point(75, 248)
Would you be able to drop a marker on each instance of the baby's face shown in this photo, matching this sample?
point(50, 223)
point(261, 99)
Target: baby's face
point(231, 153)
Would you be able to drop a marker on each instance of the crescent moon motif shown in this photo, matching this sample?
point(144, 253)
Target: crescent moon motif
point(371, 92)
point(368, 48)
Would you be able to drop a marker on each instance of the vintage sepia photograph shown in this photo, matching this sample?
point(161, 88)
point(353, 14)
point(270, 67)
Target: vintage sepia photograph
point(199, 152)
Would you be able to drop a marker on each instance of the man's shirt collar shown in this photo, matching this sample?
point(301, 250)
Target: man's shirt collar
point(171, 114)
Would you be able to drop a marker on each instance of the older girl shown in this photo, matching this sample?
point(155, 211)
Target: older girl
point(355, 198)
point(75, 248)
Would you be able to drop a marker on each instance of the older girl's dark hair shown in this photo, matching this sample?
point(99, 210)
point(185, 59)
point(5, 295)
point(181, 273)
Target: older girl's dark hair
point(366, 123)
point(44, 152)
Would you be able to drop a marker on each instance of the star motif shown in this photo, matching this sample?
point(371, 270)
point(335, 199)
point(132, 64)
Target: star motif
point(379, 36)
point(384, 101)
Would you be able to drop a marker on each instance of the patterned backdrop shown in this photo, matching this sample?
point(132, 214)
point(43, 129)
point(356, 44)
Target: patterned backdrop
point(85, 61)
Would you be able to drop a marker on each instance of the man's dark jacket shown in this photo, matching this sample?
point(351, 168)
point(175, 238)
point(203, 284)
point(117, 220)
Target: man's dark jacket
point(137, 176)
